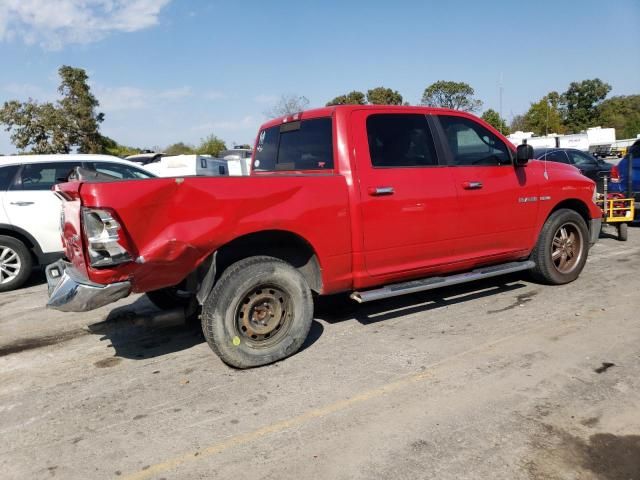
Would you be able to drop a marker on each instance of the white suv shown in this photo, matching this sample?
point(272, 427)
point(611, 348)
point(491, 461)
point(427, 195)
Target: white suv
point(30, 211)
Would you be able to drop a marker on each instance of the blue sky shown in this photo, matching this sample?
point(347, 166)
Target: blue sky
point(178, 70)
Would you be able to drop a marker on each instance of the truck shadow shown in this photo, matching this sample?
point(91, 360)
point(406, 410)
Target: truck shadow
point(141, 331)
point(338, 308)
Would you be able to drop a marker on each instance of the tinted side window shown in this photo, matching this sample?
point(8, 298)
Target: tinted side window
point(304, 145)
point(118, 170)
point(6, 176)
point(580, 158)
point(555, 156)
point(43, 176)
point(400, 140)
point(472, 144)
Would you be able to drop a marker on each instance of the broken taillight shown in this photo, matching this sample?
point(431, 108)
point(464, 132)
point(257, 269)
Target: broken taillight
point(105, 238)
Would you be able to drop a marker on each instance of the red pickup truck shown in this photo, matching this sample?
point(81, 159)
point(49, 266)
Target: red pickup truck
point(374, 200)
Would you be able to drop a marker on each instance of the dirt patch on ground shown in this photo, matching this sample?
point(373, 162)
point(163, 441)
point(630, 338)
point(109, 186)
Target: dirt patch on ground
point(603, 456)
point(39, 342)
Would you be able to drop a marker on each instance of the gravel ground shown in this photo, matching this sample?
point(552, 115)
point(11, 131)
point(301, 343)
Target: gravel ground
point(504, 379)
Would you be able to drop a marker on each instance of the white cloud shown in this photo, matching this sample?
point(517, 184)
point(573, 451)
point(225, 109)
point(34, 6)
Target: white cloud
point(265, 98)
point(214, 95)
point(114, 99)
point(228, 125)
point(53, 24)
point(24, 91)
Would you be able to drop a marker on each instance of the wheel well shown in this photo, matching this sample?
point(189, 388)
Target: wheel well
point(576, 205)
point(24, 239)
point(286, 246)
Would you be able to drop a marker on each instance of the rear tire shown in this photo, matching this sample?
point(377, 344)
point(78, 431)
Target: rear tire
point(15, 263)
point(260, 311)
point(623, 233)
point(562, 248)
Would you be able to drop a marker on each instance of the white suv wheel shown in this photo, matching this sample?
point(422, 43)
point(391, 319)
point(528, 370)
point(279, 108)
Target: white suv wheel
point(10, 264)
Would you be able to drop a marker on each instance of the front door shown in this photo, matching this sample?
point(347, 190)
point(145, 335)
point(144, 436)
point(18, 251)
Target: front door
point(407, 197)
point(498, 202)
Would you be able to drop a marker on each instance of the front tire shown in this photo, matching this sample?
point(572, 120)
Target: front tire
point(562, 248)
point(260, 311)
point(15, 263)
point(623, 232)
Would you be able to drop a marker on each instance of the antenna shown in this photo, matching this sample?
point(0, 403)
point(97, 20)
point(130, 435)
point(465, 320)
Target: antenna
point(500, 93)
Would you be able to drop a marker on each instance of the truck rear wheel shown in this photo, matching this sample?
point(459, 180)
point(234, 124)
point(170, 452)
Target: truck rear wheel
point(562, 248)
point(259, 312)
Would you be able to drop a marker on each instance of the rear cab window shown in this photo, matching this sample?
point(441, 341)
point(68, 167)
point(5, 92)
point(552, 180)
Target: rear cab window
point(304, 145)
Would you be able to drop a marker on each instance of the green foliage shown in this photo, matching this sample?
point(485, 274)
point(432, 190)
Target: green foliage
point(518, 123)
point(623, 114)
point(111, 147)
point(40, 126)
point(581, 102)
point(211, 145)
point(455, 95)
point(545, 116)
point(288, 105)
point(494, 119)
point(383, 96)
point(180, 148)
point(57, 128)
point(352, 98)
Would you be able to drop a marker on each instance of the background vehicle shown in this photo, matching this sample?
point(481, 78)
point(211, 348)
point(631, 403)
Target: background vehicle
point(620, 174)
point(190, 165)
point(588, 165)
point(378, 201)
point(30, 211)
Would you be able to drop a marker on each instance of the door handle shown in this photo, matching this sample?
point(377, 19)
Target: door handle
point(380, 191)
point(21, 204)
point(472, 185)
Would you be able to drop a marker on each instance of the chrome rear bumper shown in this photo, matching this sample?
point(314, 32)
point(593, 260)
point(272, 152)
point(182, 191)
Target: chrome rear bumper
point(71, 292)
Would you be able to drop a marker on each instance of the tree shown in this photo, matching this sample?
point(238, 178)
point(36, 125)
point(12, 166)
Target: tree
point(581, 103)
point(79, 105)
point(383, 96)
point(455, 95)
point(179, 148)
point(111, 147)
point(56, 128)
point(40, 126)
point(352, 98)
point(211, 145)
point(518, 123)
point(623, 114)
point(494, 119)
point(545, 116)
point(288, 105)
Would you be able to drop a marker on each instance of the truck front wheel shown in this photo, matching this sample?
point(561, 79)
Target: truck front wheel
point(562, 248)
point(259, 312)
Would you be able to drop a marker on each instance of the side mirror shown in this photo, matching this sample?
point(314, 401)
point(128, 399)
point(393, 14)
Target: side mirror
point(524, 153)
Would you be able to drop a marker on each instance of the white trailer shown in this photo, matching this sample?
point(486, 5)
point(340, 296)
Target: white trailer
point(188, 166)
point(578, 141)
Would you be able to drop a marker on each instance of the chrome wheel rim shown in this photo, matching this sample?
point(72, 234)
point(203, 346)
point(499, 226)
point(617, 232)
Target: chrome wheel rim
point(567, 248)
point(10, 264)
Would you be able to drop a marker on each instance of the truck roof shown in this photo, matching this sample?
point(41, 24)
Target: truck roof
point(328, 111)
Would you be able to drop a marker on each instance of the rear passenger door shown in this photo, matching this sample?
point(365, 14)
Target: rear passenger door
point(498, 202)
point(407, 197)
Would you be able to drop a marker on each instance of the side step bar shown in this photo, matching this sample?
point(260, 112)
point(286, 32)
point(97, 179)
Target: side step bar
point(413, 286)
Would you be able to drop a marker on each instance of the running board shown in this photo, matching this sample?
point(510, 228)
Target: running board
point(413, 286)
